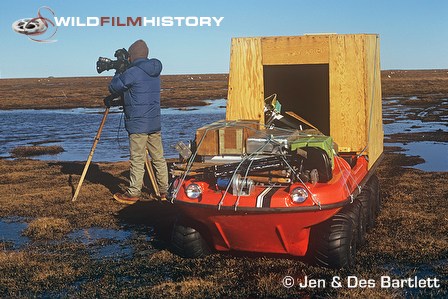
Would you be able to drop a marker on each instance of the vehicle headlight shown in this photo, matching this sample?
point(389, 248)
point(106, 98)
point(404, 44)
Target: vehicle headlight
point(193, 191)
point(299, 195)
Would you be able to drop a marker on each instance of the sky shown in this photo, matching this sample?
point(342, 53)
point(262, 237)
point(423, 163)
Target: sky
point(413, 34)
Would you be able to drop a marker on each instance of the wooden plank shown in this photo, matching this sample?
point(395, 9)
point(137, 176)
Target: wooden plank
point(309, 49)
point(245, 99)
point(347, 92)
point(373, 89)
point(231, 141)
point(208, 144)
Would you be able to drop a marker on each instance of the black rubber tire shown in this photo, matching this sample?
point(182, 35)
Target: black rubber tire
point(362, 227)
point(354, 211)
point(188, 242)
point(374, 186)
point(333, 242)
point(368, 207)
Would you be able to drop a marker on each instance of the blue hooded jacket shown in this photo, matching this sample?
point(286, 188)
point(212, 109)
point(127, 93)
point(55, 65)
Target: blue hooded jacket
point(140, 84)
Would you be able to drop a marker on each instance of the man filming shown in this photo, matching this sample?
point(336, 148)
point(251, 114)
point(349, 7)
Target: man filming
point(140, 83)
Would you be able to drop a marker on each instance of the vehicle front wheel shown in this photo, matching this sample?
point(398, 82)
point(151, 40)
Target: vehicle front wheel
point(188, 242)
point(333, 242)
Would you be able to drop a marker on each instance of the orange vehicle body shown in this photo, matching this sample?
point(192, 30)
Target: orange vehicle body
point(268, 220)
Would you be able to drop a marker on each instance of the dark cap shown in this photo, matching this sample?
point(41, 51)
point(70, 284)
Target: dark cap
point(139, 49)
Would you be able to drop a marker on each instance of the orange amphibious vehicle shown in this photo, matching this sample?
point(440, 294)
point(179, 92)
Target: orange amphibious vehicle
point(268, 180)
point(291, 193)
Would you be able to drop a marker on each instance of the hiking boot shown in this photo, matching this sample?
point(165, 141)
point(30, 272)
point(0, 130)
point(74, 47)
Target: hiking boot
point(126, 198)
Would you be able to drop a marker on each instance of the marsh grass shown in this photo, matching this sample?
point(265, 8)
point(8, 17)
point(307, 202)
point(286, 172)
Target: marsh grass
point(89, 92)
point(410, 237)
point(29, 151)
point(49, 228)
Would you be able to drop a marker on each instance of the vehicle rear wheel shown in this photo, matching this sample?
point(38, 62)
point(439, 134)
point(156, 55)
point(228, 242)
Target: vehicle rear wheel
point(368, 207)
point(188, 242)
point(374, 187)
point(354, 211)
point(333, 242)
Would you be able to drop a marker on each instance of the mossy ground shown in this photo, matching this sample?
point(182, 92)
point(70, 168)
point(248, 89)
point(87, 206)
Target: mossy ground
point(410, 238)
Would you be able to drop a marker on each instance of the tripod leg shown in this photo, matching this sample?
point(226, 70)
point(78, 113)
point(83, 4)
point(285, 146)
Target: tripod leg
point(89, 159)
point(151, 174)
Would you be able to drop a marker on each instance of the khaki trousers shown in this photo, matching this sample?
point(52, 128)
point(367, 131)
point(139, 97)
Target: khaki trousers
point(137, 145)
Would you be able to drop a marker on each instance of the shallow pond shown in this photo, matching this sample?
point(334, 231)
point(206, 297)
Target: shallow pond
point(11, 229)
point(100, 242)
point(75, 129)
point(435, 154)
point(410, 119)
point(104, 243)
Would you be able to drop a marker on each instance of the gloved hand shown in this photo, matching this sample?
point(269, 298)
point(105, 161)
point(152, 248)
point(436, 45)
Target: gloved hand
point(122, 65)
point(113, 100)
point(122, 62)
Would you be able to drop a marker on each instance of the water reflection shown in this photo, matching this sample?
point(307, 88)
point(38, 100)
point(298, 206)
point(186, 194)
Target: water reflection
point(401, 119)
point(104, 243)
point(434, 154)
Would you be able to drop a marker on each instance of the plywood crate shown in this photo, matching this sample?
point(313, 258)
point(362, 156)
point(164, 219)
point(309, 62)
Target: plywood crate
point(219, 139)
point(207, 140)
point(331, 80)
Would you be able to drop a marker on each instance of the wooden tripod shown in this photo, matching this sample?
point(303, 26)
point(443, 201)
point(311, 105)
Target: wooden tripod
point(149, 168)
point(89, 159)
